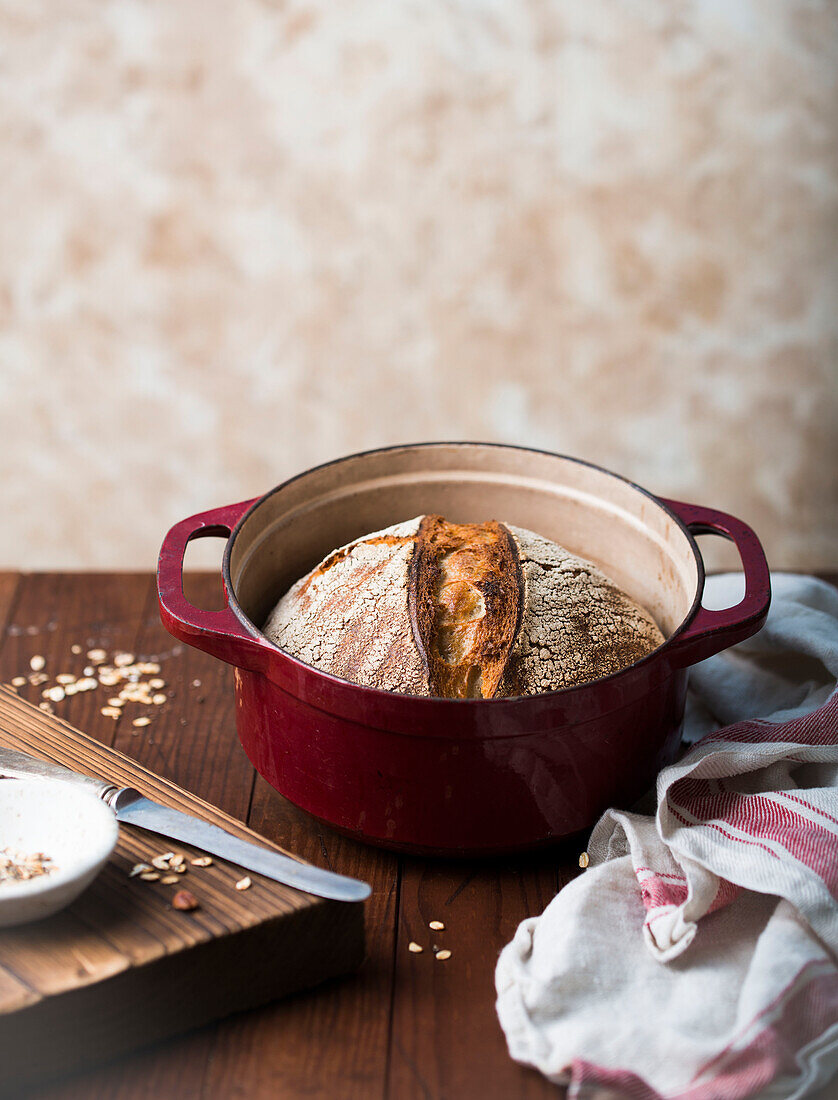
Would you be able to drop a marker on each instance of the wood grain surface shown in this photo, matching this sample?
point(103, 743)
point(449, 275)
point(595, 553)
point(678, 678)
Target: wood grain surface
point(406, 1025)
point(121, 966)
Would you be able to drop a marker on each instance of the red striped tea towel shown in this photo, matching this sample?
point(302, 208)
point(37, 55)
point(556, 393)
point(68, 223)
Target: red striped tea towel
point(695, 958)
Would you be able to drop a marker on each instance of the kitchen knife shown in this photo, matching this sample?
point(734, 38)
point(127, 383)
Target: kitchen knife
point(134, 808)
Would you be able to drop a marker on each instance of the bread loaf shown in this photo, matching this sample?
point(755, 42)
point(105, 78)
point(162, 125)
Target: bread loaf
point(460, 610)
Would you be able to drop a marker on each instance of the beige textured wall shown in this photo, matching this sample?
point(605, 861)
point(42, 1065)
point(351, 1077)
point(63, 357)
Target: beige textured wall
point(240, 238)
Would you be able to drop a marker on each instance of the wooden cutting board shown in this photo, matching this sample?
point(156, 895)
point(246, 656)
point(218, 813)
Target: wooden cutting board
point(120, 967)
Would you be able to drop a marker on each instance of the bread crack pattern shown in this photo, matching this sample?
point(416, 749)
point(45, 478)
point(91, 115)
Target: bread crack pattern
point(465, 600)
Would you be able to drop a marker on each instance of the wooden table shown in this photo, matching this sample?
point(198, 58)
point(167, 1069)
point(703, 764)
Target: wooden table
point(406, 1025)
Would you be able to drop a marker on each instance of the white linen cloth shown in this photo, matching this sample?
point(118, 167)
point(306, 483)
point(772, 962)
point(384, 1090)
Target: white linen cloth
point(696, 956)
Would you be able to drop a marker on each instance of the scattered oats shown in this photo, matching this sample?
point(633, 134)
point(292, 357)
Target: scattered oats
point(443, 955)
point(437, 926)
point(162, 862)
point(584, 860)
point(156, 684)
point(148, 668)
point(202, 861)
point(244, 883)
point(416, 948)
point(116, 702)
point(184, 900)
point(37, 662)
point(47, 707)
point(150, 876)
point(97, 656)
point(169, 880)
point(141, 721)
point(18, 681)
point(89, 670)
point(196, 683)
point(138, 869)
point(87, 683)
point(181, 869)
point(108, 680)
point(65, 678)
point(71, 689)
point(122, 659)
point(17, 866)
point(177, 860)
point(38, 678)
point(75, 649)
point(111, 712)
point(158, 699)
point(55, 694)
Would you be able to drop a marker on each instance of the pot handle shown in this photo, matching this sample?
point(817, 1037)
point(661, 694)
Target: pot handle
point(217, 632)
point(712, 631)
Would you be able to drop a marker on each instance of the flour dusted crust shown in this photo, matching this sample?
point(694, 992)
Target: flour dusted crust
point(429, 607)
point(577, 624)
point(349, 616)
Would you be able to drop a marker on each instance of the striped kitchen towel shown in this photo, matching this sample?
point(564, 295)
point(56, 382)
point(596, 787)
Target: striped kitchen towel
point(696, 956)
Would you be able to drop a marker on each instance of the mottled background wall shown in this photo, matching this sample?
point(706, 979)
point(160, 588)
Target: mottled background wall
point(240, 238)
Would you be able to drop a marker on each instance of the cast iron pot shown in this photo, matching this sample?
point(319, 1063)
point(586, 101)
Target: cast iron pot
point(443, 776)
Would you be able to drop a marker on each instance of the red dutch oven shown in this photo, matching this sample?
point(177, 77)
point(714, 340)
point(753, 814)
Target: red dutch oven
point(456, 777)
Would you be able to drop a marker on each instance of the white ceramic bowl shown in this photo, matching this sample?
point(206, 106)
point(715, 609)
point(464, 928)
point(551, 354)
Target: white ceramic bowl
point(71, 825)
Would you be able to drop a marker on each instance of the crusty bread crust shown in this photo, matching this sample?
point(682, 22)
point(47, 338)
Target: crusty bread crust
point(349, 615)
point(466, 599)
point(577, 625)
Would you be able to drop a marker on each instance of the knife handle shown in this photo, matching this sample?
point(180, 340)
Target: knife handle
point(20, 765)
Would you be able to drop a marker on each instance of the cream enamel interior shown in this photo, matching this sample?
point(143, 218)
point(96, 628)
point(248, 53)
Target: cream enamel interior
point(591, 512)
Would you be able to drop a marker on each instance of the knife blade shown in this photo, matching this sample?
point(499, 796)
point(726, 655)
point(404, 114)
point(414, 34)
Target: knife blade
point(133, 808)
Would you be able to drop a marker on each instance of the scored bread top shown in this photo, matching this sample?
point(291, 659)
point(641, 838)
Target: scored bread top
point(428, 607)
point(466, 597)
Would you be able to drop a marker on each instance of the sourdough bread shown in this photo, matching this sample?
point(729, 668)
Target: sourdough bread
point(428, 607)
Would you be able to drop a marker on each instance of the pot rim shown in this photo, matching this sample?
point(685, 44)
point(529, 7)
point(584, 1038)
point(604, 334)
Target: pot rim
point(380, 693)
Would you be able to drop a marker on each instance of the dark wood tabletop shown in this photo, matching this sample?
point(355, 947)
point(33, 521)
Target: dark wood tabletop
point(406, 1025)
